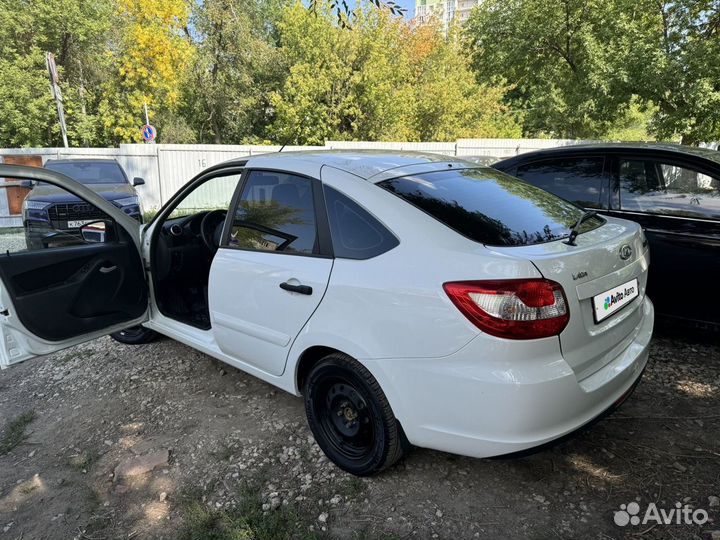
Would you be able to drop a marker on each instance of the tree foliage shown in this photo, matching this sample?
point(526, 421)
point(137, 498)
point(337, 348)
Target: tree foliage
point(227, 90)
point(584, 68)
point(73, 30)
point(674, 55)
point(147, 63)
point(282, 71)
point(384, 80)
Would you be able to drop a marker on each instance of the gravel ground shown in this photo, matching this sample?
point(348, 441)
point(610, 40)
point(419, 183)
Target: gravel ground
point(12, 240)
point(159, 441)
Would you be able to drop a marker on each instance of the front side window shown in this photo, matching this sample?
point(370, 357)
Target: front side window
point(276, 212)
point(491, 207)
point(579, 180)
point(664, 188)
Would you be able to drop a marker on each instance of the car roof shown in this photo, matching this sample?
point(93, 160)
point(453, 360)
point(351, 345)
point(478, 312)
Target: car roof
point(665, 148)
point(373, 165)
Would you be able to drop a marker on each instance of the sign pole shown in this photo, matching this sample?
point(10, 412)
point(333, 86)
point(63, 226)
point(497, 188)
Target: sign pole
point(57, 94)
point(147, 119)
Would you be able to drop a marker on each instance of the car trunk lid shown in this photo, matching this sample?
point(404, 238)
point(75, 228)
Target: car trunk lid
point(608, 263)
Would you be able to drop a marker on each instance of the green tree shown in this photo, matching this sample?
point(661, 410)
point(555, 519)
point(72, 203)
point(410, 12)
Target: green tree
point(383, 80)
point(150, 52)
point(674, 56)
point(236, 67)
point(450, 104)
point(74, 30)
point(559, 56)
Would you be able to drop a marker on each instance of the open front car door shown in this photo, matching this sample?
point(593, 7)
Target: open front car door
point(70, 265)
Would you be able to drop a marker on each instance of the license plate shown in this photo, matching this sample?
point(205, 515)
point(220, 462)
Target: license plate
point(608, 302)
point(78, 223)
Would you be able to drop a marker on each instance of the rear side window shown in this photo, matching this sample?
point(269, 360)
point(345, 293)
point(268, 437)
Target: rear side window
point(579, 180)
point(90, 172)
point(491, 207)
point(355, 233)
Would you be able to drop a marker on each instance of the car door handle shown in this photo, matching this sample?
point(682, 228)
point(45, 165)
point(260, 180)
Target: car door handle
point(302, 289)
point(107, 269)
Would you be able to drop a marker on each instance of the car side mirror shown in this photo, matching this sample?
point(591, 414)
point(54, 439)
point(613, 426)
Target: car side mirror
point(29, 184)
point(137, 181)
point(95, 232)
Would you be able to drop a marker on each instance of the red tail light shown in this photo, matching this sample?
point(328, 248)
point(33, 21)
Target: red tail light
point(513, 308)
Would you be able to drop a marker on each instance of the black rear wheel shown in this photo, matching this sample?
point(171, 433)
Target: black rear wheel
point(136, 335)
point(351, 418)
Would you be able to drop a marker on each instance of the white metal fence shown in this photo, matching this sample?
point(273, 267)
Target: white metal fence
point(167, 167)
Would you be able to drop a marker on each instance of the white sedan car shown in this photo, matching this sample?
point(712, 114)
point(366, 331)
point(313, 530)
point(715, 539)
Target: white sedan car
point(411, 299)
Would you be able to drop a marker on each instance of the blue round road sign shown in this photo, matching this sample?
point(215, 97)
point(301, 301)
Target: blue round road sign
point(149, 133)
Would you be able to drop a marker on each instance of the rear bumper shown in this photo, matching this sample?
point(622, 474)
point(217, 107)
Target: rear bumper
point(496, 397)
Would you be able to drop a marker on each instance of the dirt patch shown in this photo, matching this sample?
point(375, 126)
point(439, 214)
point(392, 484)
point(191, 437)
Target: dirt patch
point(241, 462)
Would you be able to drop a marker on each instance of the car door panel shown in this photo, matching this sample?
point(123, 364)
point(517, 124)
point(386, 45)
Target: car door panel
point(54, 297)
point(684, 254)
point(254, 319)
point(62, 293)
point(273, 269)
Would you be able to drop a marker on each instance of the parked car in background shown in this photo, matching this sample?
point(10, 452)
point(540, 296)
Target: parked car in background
point(673, 191)
point(52, 216)
point(409, 298)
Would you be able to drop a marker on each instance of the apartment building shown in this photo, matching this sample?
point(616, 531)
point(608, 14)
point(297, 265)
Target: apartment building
point(445, 11)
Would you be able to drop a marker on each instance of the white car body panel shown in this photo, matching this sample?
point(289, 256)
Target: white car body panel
point(244, 286)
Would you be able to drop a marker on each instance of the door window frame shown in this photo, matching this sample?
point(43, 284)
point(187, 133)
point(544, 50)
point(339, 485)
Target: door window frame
point(321, 219)
point(158, 221)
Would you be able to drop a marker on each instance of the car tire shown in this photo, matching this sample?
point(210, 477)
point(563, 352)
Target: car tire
point(351, 418)
point(135, 335)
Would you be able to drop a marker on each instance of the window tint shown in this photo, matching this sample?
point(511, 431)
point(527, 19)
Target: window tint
point(47, 217)
point(355, 233)
point(662, 188)
point(94, 172)
point(491, 207)
point(275, 213)
point(578, 180)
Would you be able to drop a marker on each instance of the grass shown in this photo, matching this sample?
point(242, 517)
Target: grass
point(247, 521)
point(148, 215)
point(84, 460)
point(14, 433)
point(355, 486)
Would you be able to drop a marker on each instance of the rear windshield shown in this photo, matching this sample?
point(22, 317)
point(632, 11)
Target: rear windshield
point(491, 207)
point(90, 172)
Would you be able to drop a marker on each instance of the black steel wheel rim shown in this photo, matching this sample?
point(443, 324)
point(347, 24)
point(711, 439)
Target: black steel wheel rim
point(345, 418)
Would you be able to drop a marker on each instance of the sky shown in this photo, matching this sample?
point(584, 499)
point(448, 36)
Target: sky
point(409, 5)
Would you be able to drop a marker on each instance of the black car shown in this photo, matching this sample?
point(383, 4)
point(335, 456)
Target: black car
point(673, 191)
point(52, 216)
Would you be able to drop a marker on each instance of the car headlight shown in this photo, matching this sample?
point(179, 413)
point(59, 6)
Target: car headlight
point(34, 205)
point(127, 201)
